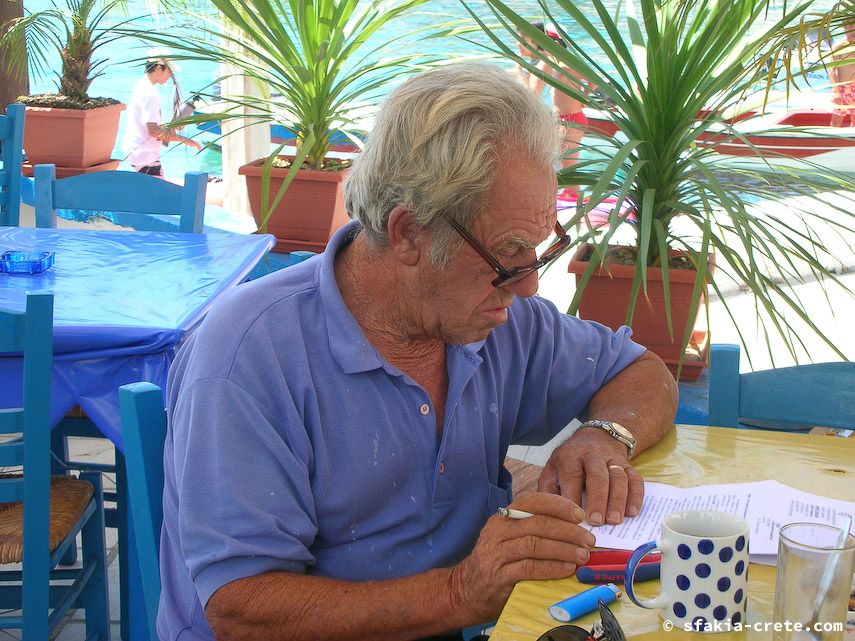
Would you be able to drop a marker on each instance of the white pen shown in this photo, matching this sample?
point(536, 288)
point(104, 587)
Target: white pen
point(511, 513)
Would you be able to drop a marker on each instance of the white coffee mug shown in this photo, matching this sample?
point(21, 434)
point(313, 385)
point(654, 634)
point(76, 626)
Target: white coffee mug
point(704, 570)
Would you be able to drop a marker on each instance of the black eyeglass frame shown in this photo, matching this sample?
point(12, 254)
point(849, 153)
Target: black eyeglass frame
point(507, 276)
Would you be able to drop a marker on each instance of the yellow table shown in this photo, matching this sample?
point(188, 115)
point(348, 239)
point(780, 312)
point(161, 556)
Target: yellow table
point(691, 456)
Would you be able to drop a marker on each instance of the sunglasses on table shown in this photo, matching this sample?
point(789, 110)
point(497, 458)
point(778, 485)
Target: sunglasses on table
point(506, 276)
point(607, 630)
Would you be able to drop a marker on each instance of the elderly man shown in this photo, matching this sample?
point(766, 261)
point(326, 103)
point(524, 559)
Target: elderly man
point(337, 429)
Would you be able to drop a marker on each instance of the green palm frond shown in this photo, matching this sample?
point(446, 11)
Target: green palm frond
point(317, 55)
point(75, 29)
point(676, 70)
point(801, 48)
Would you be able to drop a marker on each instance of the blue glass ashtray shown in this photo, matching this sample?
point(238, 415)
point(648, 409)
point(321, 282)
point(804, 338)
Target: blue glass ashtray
point(18, 262)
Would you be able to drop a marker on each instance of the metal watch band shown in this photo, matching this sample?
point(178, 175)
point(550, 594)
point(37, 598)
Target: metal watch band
point(615, 430)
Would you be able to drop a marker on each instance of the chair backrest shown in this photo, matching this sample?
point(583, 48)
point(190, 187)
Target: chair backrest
point(800, 396)
point(30, 333)
point(11, 142)
point(143, 433)
point(125, 193)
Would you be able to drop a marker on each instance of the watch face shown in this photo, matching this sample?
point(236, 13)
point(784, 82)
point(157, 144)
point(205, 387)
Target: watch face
point(616, 431)
point(620, 429)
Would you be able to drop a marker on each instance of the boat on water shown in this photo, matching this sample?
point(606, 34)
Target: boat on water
point(797, 133)
point(343, 139)
point(792, 138)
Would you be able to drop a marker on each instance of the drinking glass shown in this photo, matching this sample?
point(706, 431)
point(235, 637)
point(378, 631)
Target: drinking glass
point(812, 586)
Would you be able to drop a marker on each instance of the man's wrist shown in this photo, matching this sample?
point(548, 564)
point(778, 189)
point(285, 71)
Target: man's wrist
point(615, 430)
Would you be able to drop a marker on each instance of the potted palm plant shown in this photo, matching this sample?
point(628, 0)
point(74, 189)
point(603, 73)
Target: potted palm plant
point(322, 62)
point(69, 128)
point(675, 70)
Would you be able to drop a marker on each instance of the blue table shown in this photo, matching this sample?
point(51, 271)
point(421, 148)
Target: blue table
point(123, 302)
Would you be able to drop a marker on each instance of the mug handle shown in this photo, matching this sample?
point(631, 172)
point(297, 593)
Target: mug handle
point(660, 600)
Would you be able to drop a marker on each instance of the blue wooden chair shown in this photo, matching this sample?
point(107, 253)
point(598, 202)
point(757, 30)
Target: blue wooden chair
point(11, 142)
point(41, 515)
point(144, 432)
point(133, 199)
point(787, 398)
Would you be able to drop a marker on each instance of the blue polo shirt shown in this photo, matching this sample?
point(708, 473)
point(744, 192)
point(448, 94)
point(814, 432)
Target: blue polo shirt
point(294, 446)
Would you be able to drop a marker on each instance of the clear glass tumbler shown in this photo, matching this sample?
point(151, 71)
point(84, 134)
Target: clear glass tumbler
point(812, 586)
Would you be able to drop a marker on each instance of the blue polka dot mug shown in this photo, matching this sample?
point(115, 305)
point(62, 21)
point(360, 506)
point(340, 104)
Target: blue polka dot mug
point(704, 570)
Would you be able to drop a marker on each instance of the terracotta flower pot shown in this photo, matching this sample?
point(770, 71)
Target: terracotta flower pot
point(76, 138)
point(606, 300)
point(309, 213)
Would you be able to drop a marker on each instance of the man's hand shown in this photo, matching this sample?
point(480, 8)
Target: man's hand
point(548, 545)
point(593, 461)
point(169, 135)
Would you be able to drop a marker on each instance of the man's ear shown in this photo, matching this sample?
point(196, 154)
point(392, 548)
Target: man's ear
point(406, 237)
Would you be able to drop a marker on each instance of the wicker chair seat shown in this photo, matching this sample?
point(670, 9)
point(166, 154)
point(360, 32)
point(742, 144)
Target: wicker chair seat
point(69, 497)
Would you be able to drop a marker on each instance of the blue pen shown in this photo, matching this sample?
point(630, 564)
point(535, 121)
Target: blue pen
point(584, 602)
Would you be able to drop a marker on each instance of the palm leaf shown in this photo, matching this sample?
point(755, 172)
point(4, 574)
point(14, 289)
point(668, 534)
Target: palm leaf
point(318, 54)
point(672, 69)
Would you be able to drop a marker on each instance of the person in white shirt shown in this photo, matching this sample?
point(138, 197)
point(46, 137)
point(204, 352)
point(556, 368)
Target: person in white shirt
point(144, 133)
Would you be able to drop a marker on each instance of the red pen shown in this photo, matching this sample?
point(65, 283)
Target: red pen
point(616, 573)
point(616, 557)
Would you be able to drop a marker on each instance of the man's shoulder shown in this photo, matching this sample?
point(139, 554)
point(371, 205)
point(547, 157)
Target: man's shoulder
point(275, 301)
point(527, 318)
point(533, 309)
point(283, 289)
point(534, 318)
point(251, 322)
point(143, 89)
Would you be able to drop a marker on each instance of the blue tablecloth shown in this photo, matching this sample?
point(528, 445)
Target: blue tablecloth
point(122, 303)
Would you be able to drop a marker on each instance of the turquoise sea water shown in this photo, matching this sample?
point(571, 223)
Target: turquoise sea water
point(124, 67)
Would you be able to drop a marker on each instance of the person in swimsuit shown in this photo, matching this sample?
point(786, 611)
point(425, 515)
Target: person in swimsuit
point(843, 80)
point(568, 109)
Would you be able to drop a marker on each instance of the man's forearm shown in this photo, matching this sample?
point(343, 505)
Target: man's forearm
point(281, 605)
point(170, 136)
point(643, 398)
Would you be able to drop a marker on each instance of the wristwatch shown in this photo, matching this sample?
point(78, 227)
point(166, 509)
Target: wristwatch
point(616, 431)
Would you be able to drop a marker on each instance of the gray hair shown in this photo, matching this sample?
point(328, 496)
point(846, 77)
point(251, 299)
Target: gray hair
point(434, 146)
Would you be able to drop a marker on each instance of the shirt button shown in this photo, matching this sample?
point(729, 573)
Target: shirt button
point(425, 409)
point(442, 467)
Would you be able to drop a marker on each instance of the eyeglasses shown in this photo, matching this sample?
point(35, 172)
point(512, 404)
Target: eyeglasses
point(607, 630)
point(508, 276)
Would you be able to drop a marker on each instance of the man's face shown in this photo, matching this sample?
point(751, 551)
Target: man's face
point(161, 74)
point(459, 303)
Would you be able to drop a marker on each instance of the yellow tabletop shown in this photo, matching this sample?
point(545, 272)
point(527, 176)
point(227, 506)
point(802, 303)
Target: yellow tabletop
point(690, 456)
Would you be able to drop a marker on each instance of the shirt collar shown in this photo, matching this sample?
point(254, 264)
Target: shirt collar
point(348, 343)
